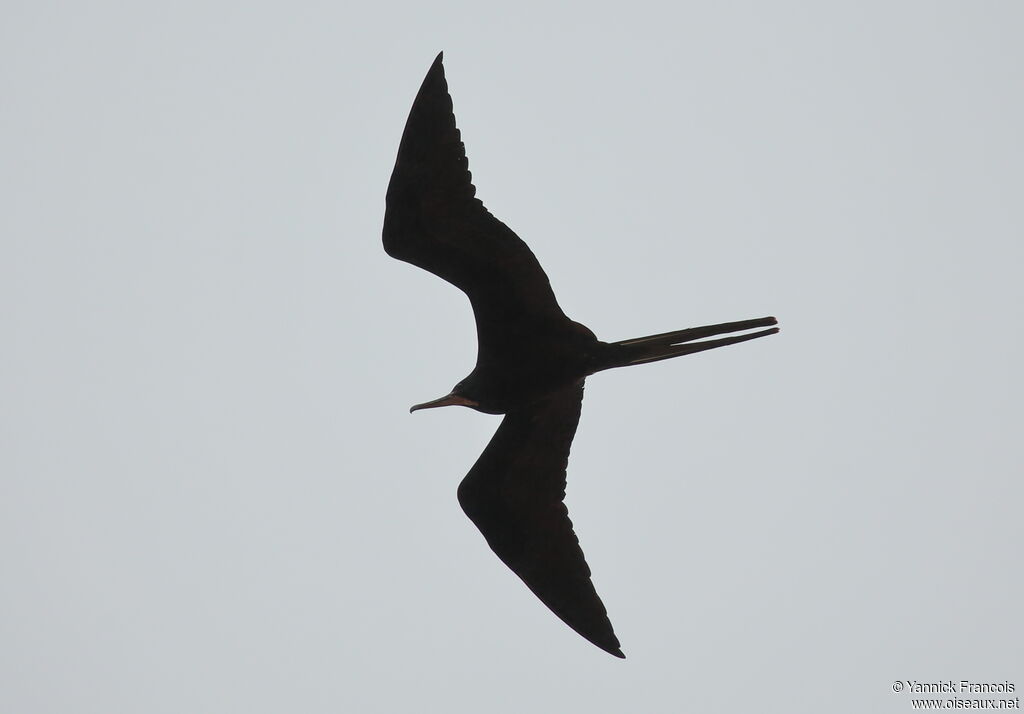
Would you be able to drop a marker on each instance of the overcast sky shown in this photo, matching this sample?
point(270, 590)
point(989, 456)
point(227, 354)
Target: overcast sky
point(213, 497)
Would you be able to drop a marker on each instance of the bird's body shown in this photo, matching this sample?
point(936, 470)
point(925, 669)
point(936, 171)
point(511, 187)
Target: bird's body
point(532, 360)
point(527, 362)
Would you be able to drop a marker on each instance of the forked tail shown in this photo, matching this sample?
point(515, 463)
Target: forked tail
point(681, 342)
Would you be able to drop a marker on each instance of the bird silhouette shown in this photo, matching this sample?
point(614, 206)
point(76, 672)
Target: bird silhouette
point(531, 362)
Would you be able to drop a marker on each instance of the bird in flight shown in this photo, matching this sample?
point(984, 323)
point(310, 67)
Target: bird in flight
point(531, 360)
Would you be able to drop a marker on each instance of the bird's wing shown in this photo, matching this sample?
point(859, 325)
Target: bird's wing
point(434, 220)
point(514, 495)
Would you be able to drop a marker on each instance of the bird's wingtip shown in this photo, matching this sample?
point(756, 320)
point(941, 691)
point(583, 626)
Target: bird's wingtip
point(612, 647)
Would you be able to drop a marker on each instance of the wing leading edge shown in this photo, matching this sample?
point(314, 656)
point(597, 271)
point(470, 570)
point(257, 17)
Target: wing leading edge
point(514, 494)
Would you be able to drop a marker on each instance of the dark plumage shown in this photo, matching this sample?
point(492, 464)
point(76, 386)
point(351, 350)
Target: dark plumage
point(531, 363)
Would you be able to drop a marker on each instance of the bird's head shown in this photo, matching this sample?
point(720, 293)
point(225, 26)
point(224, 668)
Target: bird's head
point(459, 396)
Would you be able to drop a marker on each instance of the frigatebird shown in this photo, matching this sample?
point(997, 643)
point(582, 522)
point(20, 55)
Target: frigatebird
point(531, 360)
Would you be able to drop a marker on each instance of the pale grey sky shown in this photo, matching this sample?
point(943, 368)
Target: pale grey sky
point(213, 498)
